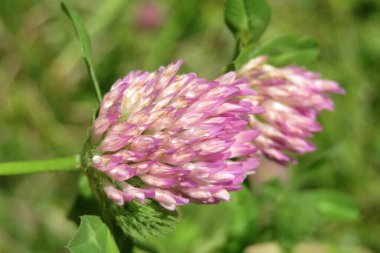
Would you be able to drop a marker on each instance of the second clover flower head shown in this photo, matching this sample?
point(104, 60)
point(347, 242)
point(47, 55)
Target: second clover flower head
point(292, 97)
point(175, 138)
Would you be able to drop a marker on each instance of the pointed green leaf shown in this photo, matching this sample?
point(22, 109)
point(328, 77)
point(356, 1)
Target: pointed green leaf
point(93, 236)
point(289, 49)
point(84, 41)
point(283, 50)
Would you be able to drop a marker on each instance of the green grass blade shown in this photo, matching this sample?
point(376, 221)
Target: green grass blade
point(84, 41)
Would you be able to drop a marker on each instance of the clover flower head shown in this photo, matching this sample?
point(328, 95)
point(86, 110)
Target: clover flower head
point(292, 97)
point(174, 138)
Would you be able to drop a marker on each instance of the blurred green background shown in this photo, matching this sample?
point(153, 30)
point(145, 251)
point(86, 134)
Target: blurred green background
point(47, 100)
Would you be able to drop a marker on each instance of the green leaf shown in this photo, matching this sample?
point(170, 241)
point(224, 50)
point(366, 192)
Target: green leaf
point(258, 13)
point(247, 19)
point(84, 41)
point(235, 16)
point(93, 236)
point(289, 49)
point(283, 50)
point(296, 57)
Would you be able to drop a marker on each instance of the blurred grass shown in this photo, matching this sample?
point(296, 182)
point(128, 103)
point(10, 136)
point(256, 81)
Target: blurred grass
point(47, 100)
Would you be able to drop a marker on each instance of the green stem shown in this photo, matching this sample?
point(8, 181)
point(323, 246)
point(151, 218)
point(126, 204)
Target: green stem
point(25, 167)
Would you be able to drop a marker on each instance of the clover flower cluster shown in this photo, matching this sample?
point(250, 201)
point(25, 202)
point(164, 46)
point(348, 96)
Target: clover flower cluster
point(175, 138)
point(180, 138)
point(293, 98)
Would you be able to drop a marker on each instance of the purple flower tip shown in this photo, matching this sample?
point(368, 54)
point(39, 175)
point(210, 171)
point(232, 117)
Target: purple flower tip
point(185, 139)
point(292, 97)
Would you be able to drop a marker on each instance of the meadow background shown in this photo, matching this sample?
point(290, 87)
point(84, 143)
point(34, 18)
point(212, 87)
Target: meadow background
point(46, 103)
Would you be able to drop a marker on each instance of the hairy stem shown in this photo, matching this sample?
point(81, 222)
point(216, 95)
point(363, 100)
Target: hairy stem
point(26, 167)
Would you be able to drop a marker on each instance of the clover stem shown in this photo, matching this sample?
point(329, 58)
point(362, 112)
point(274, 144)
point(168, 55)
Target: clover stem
point(68, 163)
